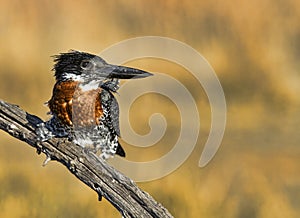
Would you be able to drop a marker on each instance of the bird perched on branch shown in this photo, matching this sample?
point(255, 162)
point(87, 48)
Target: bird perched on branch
point(83, 106)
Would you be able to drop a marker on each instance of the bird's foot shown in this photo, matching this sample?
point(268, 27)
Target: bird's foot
point(106, 156)
point(43, 133)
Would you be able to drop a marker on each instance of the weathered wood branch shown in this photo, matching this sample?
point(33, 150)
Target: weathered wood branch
point(118, 189)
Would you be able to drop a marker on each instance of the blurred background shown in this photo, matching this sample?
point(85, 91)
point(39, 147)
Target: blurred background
point(254, 48)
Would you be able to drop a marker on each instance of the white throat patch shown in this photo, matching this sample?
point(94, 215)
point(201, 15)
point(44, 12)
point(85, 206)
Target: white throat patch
point(71, 76)
point(89, 86)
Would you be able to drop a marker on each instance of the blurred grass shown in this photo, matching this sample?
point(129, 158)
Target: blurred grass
point(254, 49)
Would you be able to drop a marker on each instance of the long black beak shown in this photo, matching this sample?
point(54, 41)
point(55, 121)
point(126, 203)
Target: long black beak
point(120, 72)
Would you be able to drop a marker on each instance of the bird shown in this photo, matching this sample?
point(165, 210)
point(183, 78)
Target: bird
point(83, 106)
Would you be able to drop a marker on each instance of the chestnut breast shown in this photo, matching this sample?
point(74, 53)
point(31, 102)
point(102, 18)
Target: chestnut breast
point(75, 107)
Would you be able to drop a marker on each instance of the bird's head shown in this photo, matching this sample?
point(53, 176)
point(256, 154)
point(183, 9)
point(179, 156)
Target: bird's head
point(91, 70)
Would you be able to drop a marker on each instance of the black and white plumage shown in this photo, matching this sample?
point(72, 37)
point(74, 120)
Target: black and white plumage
point(83, 106)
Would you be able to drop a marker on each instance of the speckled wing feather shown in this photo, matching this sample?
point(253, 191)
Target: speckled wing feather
point(111, 108)
point(114, 114)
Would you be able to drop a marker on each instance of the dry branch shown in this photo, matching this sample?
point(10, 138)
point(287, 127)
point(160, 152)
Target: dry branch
point(118, 189)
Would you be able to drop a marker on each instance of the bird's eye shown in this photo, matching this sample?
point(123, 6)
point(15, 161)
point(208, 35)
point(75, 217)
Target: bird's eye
point(85, 64)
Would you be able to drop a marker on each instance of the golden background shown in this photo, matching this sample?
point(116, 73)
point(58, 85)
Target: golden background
point(254, 48)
